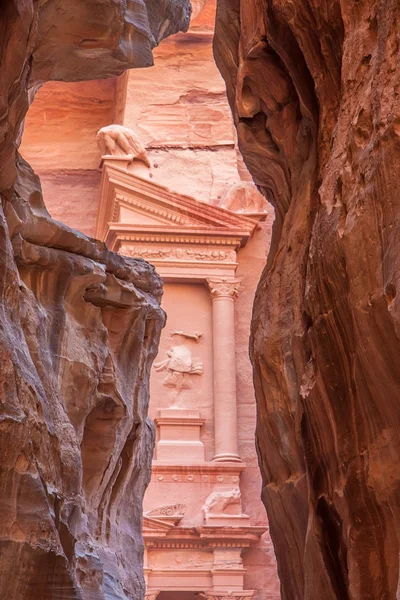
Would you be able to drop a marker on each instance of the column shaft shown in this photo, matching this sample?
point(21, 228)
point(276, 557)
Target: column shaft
point(225, 402)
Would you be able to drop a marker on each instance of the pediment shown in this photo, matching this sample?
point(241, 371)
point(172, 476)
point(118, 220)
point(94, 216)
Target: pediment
point(133, 200)
point(155, 526)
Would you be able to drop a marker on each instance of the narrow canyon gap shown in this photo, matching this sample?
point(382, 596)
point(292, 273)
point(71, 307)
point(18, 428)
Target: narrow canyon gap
point(314, 90)
point(79, 329)
point(186, 204)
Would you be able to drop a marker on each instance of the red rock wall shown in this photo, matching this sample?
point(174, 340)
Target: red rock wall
point(314, 91)
point(79, 328)
point(59, 142)
point(259, 561)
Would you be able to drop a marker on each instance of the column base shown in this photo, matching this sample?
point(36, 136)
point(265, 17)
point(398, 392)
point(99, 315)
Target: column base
point(179, 436)
point(227, 457)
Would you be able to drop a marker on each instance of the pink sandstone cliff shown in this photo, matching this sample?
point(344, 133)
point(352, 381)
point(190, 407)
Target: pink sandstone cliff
point(187, 127)
point(314, 90)
point(79, 328)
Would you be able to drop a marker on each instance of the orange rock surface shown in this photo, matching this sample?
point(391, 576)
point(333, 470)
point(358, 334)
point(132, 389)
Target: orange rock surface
point(313, 87)
point(79, 328)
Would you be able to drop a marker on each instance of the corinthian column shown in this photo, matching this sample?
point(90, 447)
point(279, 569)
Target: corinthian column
point(223, 294)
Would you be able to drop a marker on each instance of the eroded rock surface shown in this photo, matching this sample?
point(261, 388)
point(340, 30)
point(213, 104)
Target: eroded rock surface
point(79, 328)
point(314, 89)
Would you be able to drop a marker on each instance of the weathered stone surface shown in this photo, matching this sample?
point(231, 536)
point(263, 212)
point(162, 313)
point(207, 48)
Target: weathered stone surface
point(187, 128)
point(79, 328)
point(314, 89)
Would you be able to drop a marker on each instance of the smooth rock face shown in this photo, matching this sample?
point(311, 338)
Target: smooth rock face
point(314, 89)
point(79, 328)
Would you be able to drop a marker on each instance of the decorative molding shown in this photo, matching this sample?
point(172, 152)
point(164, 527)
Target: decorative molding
point(172, 510)
point(210, 472)
point(224, 287)
point(219, 542)
point(141, 233)
point(181, 254)
point(128, 187)
point(240, 595)
point(147, 208)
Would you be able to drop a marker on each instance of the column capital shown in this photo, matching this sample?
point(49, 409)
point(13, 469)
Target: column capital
point(223, 287)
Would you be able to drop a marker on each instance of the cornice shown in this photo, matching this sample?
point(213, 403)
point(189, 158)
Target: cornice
point(119, 233)
point(201, 473)
point(204, 537)
point(204, 467)
point(147, 208)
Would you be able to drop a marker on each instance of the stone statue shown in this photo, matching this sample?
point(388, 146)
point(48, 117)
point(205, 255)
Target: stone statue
point(117, 141)
point(218, 503)
point(180, 363)
point(244, 198)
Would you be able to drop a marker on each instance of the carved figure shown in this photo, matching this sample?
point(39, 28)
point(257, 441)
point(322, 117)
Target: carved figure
point(219, 502)
point(173, 513)
point(120, 141)
point(190, 336)
point(180, 363)
point(244, 197)
point(172, 510)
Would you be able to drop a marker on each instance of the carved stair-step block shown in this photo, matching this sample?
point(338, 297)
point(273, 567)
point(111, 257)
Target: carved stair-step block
point(179, 436)
point(228, 571)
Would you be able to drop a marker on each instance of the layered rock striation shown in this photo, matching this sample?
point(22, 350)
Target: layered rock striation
point(314, 89)
point(79, 329)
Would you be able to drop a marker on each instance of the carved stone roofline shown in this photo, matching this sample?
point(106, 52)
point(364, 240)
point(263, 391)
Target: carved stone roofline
point(182, 213)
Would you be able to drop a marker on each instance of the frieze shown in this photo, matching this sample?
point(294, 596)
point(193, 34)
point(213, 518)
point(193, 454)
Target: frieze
point(185, 254)
point(222, 597)
point(172, 510)
point(219, 542)
point(195, 478)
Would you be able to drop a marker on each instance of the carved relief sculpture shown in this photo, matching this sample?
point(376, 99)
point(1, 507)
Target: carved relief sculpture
point(244, 197)
point(180, 363)
point(117, 141)
point(183, 254)
point(219, 503)
point(173, 511)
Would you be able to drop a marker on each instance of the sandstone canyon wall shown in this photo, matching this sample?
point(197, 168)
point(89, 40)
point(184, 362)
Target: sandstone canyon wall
point(79, 329)
point(187, 128)
point(314, 89)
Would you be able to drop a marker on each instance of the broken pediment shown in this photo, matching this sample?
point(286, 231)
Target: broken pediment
point(171, 514)
point(130, 199)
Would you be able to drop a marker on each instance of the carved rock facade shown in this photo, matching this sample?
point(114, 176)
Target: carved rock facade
point(79, 328)
point(314, 92)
